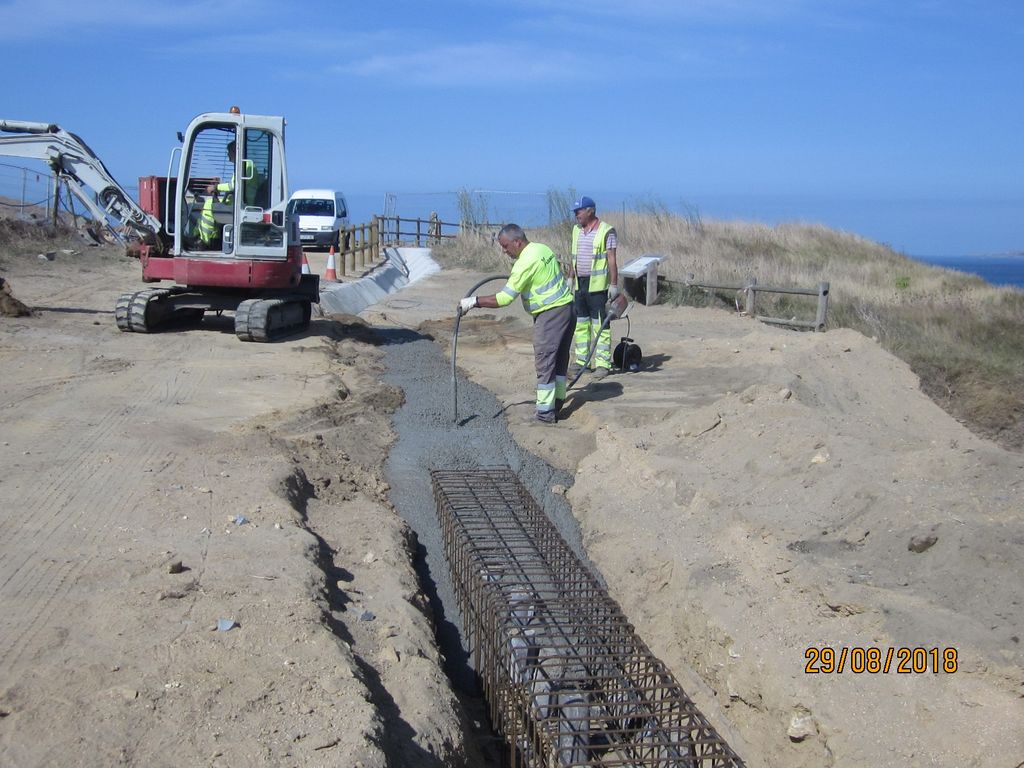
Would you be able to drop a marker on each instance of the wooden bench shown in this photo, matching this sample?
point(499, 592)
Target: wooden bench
point(641, 266)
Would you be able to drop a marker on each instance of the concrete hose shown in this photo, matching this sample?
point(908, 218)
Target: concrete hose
point(455, 346)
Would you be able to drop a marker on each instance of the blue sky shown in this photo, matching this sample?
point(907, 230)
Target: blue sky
point(742, 108)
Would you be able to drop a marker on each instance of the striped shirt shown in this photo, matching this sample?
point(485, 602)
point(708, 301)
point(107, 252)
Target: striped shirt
point(585, 249)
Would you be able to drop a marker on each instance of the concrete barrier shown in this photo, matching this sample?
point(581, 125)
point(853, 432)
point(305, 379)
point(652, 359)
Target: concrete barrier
point(402, 267)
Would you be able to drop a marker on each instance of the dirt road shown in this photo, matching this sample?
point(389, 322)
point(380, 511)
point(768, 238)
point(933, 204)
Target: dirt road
point(200, 562)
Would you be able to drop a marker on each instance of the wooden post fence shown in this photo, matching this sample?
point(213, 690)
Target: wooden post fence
point(751, 289)
point(362, 243)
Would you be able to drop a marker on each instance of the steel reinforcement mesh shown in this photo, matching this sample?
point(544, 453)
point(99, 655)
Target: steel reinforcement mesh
point(567, 680)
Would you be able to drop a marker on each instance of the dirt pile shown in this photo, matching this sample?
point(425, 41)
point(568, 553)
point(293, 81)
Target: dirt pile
point(765, 503)
point(10, 306)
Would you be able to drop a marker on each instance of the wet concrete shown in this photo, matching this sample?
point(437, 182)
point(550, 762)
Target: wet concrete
point(428, 439)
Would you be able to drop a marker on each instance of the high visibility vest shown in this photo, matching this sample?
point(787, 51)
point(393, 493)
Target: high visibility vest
point(599, 266)
point(536, 277)
point(226, 189)
point(207, 226)
point(251, 185)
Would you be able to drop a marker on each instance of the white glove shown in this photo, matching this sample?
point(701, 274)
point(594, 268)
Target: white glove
point(467, 304)
point(613, 291)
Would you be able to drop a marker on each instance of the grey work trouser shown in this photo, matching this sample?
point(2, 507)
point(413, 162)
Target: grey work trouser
point(552, 343)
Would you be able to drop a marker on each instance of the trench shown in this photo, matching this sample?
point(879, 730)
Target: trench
point(427, 439)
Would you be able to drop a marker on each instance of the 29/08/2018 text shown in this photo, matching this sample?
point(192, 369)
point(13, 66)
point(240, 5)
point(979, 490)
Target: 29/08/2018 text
point(874, 660)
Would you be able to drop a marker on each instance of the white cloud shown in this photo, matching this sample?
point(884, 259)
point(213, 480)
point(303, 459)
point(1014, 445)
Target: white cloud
point(474, 64)
point(718, 11)
point(55, 19)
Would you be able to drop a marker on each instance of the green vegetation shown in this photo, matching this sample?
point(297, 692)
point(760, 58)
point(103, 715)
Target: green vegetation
point(963, 337)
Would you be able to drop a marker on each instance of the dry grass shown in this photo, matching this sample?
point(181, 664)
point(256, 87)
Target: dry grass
point(962, 336)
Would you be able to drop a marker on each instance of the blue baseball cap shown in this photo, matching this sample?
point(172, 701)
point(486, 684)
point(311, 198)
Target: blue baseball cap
point(584, 202)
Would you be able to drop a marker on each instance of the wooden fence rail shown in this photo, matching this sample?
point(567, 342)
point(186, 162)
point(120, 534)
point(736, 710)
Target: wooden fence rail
point(420, 232)
point(751, 289)
point(361, 244)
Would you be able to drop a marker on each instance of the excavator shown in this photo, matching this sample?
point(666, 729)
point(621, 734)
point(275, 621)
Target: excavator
point(218, 228)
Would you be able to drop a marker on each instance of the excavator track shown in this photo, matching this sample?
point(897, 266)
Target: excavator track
point(132, 311)
point(122, 311)
point(148, 310)
point(268, 319)
point(271, 319)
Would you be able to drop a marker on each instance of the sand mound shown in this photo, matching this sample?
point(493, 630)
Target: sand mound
point(10, 306)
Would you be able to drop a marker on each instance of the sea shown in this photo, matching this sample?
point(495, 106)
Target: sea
point(998, 270)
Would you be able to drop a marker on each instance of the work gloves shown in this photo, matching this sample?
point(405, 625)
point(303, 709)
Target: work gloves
point(467, 304)
point(613, 291)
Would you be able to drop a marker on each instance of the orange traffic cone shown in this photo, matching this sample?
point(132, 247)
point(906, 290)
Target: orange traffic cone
point(305, 264)
point(331, 272)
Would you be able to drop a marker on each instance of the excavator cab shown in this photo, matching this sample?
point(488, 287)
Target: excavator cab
point(231, 198)
point(227, 207)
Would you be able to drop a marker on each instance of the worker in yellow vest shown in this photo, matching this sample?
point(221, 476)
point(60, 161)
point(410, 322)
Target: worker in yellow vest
point(223, 192)
point(538, 280)
point(595, 275)
point(207, 229)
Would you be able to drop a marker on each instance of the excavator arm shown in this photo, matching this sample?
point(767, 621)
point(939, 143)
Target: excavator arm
point(85, 175)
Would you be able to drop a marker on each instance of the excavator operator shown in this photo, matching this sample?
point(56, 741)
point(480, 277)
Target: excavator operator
point(207, 229)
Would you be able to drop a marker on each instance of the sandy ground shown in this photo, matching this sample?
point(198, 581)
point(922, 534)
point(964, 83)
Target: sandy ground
point(750, 494)
point(199, 564)
point(755, 495)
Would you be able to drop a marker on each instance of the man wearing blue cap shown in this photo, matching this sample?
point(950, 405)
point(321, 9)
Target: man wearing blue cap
point(595, 276)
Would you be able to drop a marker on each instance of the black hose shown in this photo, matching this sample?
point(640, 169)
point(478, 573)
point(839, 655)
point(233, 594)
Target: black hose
point(455, 345)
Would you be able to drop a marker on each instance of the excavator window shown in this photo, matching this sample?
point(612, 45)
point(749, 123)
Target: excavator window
point(259, 189)
point(209, 188)
point(259, 152)
point(216, 193)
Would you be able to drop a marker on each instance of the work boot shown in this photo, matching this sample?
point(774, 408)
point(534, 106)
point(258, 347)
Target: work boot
point(545, 418)
point(574, 370)
point(600, 373)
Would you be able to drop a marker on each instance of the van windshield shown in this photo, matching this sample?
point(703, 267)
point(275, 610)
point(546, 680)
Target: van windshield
point(307, 207)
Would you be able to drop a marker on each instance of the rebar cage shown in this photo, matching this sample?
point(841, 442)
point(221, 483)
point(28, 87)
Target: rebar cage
point(567, 680)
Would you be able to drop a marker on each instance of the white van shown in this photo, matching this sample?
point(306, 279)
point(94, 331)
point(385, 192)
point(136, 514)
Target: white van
point(322, 214)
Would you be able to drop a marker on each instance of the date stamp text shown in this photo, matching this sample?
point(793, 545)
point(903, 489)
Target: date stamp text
point(874, 660)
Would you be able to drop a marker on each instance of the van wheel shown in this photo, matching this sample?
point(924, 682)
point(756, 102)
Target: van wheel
point(337, 243)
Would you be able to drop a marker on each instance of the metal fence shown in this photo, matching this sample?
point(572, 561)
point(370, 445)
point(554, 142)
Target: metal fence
point(567, 680)
point(26, 192)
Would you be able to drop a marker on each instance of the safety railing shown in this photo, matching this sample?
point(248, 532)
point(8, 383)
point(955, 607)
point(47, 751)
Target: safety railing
point(395, 230)
point(750, 289)
point(360, 246)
